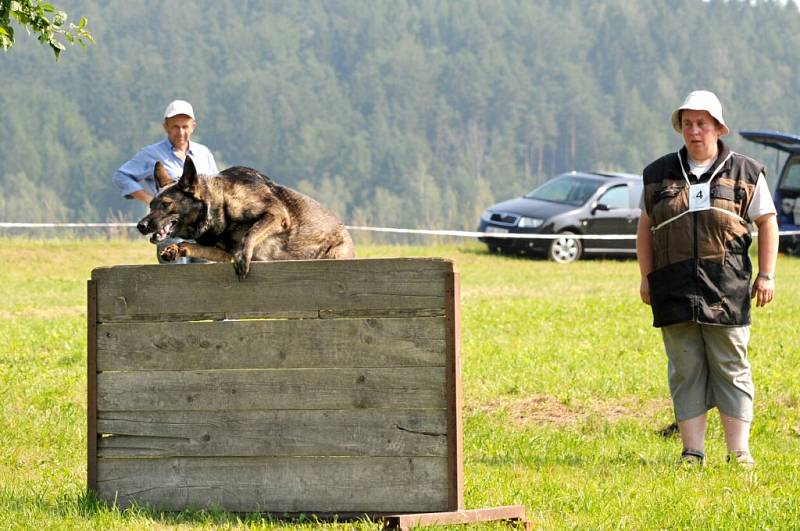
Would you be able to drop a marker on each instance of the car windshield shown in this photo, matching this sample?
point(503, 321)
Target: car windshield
point(569, 190)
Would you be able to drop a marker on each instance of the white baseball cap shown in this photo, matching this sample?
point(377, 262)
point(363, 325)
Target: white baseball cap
point(179, 107)
point(700, 100)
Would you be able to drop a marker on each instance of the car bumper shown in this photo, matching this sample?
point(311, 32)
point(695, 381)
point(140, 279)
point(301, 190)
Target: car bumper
point(513, 244)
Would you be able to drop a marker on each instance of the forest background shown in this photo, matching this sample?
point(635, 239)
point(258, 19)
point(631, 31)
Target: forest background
point(406, 113)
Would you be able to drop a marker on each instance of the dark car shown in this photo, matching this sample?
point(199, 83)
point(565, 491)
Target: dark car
point(787, 190)
point(591, 203)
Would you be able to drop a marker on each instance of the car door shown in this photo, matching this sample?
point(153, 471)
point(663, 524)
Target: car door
point(611, 214)
point(788, 144)
point(787, 190)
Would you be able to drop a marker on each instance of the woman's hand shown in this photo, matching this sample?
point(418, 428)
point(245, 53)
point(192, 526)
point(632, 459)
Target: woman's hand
point(763, 291)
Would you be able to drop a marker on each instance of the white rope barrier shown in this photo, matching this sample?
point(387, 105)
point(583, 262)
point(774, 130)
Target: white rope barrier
point(8, 225)
point(506, 235)
point(431, 232)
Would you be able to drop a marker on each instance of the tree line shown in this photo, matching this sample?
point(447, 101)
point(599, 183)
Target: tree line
point(409, 113)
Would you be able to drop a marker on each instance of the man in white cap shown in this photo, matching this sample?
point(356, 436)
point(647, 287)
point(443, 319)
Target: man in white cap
point(135, 177)
point(692, 244)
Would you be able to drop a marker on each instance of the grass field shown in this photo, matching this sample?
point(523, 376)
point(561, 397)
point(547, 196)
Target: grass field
point(564, 387)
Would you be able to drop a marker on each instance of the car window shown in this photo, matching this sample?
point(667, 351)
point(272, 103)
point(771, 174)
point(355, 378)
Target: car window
point(616, 197)
point(792, 179)
point(635, 194)
point(570, 190)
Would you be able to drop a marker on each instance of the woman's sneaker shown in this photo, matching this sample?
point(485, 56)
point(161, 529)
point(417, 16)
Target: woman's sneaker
point(691, 457)
point(742, 458)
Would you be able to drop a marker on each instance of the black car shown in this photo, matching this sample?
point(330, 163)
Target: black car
point(591, 203)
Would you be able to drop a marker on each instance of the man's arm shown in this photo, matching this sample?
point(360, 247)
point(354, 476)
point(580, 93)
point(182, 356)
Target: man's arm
point(134, 177)
point(644, 252)
point(142, 196)
point(764, 288)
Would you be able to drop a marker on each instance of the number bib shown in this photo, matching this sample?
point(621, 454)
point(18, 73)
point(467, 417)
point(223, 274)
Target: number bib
point(700, 196)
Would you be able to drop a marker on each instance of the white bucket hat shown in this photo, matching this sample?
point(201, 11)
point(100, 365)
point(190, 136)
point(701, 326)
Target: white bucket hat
point(179, 107)
point(700, 100)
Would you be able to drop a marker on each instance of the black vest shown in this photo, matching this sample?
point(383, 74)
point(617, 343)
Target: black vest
point(701, 267)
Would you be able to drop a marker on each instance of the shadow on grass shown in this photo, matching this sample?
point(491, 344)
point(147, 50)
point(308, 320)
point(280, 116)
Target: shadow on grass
point(542, 256)
point(577, 461)
point(483, 251)
point(89, 505)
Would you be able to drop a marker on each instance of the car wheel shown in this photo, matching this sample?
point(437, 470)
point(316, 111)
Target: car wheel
point(494, 249)
point(565, 249)
point(790, 245)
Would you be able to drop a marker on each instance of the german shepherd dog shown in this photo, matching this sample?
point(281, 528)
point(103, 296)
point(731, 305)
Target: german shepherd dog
point(239, 216)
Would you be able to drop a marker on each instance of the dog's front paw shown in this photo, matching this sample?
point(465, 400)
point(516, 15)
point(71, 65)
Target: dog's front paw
point(241, 265)
point(173, 251)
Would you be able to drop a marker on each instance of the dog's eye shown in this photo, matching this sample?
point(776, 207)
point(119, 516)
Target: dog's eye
point(167, 203)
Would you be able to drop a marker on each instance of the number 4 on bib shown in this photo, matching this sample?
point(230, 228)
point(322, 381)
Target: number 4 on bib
point(699, 197)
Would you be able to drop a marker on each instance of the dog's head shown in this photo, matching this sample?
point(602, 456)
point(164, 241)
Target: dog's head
point(176, 211)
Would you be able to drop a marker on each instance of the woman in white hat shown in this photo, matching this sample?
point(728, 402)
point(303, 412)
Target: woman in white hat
point(692, 245)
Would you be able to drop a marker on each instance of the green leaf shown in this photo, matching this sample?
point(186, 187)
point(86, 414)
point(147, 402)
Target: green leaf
point(56, 44)
point(21, 17)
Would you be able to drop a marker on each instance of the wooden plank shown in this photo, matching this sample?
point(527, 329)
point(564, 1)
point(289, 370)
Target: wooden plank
point(366, 432)
point(380, 313)
point(271, 344)
point(359, 388)
point(273, 289)
point(509, 513)
point(292, 484)
point(91, 386)
point(455, 442)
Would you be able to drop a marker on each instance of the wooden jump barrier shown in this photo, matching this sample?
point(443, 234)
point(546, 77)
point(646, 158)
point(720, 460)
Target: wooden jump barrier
point(325, 387)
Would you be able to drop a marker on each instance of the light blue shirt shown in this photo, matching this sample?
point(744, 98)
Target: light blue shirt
point(137, 173)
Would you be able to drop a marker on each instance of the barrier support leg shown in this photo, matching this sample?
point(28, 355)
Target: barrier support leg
point(513, 514)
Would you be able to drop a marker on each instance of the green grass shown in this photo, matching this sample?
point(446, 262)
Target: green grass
point(564, 388)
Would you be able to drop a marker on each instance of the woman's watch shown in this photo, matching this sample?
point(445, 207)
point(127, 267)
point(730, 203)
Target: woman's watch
point(767, 276)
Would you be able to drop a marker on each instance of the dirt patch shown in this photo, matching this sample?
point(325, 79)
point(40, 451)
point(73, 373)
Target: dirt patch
point(544, 409)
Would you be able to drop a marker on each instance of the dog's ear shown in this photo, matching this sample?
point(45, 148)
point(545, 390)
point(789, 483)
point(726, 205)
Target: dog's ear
point(189, 178)
point(161, 176)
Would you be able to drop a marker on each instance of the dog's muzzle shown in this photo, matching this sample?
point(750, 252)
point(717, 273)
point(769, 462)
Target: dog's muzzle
point(159, 233)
